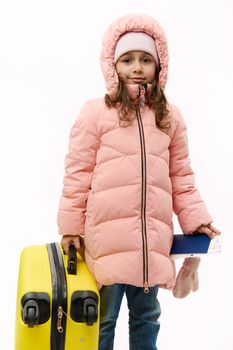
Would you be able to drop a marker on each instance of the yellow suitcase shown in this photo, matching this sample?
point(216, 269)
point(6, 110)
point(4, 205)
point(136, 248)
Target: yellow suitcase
point(57, 301)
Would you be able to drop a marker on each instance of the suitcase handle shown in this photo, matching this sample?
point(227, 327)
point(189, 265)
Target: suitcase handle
point(72, 260)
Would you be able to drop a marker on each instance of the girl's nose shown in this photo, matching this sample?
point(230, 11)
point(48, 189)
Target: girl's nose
point(137, 66)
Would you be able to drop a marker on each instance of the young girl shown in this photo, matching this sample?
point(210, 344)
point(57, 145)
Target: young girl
point(127, 169)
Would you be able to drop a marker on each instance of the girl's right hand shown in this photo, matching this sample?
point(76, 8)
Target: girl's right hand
point(209, 230)
point(66, 241)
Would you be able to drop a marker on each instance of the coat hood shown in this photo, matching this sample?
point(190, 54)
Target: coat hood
point(131, 23)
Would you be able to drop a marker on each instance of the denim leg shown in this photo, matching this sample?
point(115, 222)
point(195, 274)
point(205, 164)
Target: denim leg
point(110, 302)
point(144, 311)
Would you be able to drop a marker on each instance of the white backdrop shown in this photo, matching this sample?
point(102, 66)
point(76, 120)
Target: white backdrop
point(49, 65)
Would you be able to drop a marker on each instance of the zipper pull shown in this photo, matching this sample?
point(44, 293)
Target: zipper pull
point(59, 319)
point(146, 288)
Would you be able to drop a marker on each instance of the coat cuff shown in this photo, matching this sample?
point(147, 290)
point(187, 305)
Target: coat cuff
point(193, 217)
point(71, 225)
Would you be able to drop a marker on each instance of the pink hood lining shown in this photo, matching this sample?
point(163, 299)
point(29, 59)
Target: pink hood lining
point(131, 23)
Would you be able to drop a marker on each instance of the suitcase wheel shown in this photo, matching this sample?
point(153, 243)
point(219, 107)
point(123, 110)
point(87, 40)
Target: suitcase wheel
point(89, 312)
point(35, 308)
point(84, 307)
point(31, 313)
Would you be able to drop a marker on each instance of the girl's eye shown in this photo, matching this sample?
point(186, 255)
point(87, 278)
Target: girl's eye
point(146, 60)
point(126, 60)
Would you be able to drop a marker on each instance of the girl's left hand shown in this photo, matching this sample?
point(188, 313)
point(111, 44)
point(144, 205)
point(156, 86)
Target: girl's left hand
point(209, 230)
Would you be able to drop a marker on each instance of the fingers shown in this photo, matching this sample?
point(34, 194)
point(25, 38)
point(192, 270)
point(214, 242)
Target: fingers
point(76, 242)
point(209, 230)
point(215, 231)
point(66, 241)
point(210, 234)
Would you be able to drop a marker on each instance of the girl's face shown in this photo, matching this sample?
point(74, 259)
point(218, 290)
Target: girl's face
point(136, 67)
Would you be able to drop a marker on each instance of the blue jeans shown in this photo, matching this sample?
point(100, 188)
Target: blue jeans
point(144, 311)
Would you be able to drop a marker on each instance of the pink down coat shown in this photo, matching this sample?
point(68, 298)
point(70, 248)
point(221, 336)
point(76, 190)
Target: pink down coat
point(122, 185)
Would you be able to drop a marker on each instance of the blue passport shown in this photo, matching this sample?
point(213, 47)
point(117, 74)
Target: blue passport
point(194, 245)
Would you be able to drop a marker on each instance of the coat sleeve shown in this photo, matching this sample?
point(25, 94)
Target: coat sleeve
point(187, 202)
point(79, 165)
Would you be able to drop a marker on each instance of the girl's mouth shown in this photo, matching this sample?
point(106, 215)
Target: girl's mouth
point(137, 80)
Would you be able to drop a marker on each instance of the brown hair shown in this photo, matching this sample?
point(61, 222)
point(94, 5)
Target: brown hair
point(126, 107)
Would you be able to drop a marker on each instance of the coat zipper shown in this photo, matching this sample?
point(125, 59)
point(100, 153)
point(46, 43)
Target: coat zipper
point(59, 296)
point(143, 196)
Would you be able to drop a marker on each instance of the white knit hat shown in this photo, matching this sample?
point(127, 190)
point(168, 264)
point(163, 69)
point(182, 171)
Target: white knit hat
point(136, 41)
